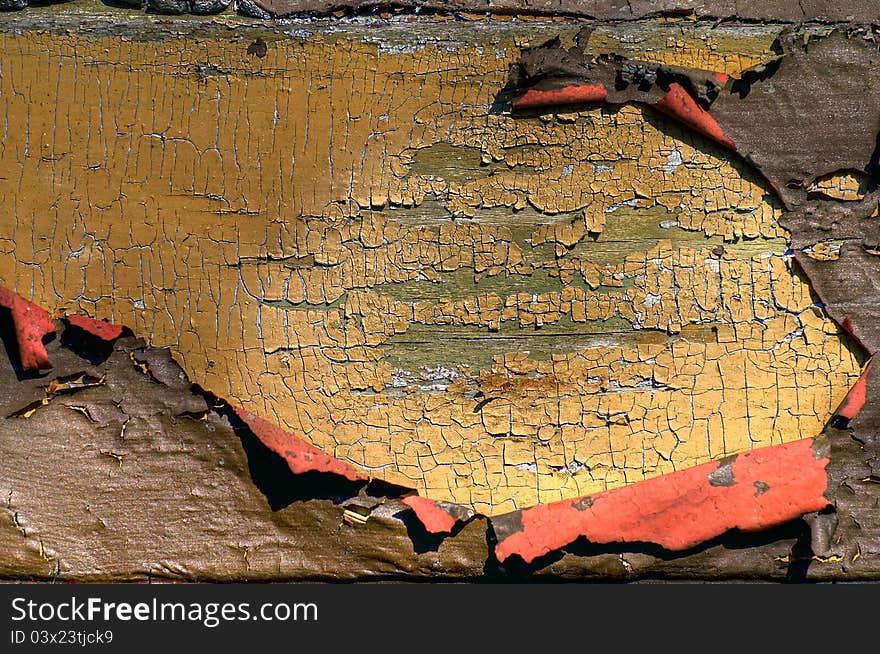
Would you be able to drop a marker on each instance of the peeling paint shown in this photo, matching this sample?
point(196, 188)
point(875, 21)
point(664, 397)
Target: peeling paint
point(435, 519)
point(680, 105)
point(100, 328)
point(857, 396)
point(32, 324)
point(584, 93)
point(299, 257)
point(681, 510)
point(299, 455)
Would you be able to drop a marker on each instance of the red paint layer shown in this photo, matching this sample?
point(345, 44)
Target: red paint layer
point(680, 105)
point(100, 328)
point(434, 518)
point(856, 397)
point(682, 509)
point(566, 95)
point(32, 323)
point(299, 455)
point(722, 77)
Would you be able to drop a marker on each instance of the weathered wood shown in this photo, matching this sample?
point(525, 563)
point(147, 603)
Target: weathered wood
point(612, 10)
point(139, 478)
point(239, 200)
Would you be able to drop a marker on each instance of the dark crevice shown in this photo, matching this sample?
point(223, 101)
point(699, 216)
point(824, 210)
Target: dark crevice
point(801, 555)
point(271, 474)
point(379, 489)
point(92, 348)
point(873, 167)
point(492, 570)
point(743, 86)
point(515, 568)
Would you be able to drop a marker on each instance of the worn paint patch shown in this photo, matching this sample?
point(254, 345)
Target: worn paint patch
point(682, 509)
point(824, 250)
point(723, 474)
point(848, 185)
point(726, 48)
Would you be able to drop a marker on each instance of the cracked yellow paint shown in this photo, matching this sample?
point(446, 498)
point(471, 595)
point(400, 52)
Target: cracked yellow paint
point(341, 238)
point(824, 250)
point(722, 48)
point(847, 185)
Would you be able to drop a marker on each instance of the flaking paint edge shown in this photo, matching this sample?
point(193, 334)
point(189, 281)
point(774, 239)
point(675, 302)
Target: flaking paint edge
point(676, 511)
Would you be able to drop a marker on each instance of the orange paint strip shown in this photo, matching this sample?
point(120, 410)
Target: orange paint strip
point(100, 328)
point(299, 455)
point(430, 514)
point(680, 105)
point(762, 488)
point(577, 94)
point(677, 103)
point(758, 489)
point(32, 323)
point(856, 397)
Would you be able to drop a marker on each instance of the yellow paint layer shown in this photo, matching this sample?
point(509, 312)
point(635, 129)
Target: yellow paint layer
point(281, 223)
point(849, 185)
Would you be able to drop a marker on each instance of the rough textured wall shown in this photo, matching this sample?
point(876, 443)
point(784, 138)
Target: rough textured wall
point(338, 232)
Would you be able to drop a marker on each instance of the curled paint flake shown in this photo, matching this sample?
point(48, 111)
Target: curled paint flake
point(100, 328)
point(32, 323)
point(679, 104)
point(434, 518)
point(576, 94)
point(681, 509)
